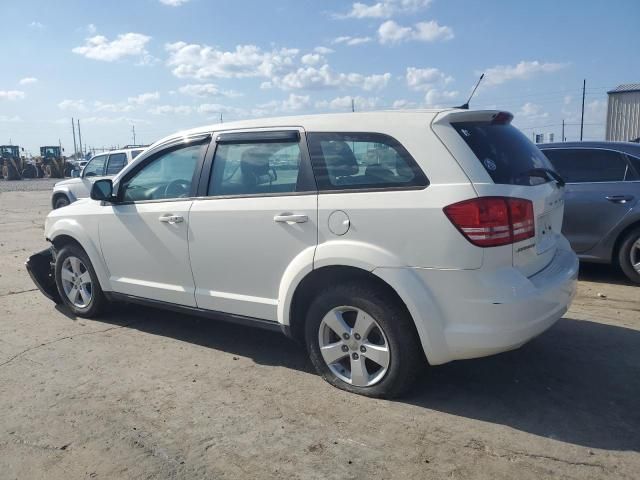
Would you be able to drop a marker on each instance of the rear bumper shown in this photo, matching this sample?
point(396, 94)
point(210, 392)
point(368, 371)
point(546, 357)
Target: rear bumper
point(483, 313)
point(40, 269)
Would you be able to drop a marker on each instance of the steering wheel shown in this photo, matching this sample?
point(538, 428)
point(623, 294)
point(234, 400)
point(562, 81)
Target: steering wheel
point(177, 188)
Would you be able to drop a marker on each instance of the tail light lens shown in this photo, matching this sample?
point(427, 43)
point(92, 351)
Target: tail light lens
point(493, 221)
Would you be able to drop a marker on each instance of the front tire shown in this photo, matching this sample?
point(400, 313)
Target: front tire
point(61, 201)
point(77, 282)
point(362, 340)
point(629, 255)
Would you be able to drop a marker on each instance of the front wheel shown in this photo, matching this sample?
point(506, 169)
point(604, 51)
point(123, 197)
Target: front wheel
point(629, 255)
point(77, 282)
point(362, 340)
point(61, 201)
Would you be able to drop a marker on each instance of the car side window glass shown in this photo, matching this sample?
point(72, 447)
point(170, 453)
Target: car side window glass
point(582, 165)
point(255, 168)
point(635, 165)
point(117, 161)
point(95, 167)
point(169, 175)
point(345, 161)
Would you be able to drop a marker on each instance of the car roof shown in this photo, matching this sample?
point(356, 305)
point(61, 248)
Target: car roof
point(626, 147)
point(319, 122)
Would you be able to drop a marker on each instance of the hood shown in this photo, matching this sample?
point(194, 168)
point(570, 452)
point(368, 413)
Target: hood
point(69, 181)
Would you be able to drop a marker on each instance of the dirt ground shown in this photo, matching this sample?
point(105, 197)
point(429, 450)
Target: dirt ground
point(147, 394)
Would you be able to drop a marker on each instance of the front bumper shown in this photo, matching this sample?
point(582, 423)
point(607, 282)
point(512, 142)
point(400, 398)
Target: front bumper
point(484, 313)
point(41, 270)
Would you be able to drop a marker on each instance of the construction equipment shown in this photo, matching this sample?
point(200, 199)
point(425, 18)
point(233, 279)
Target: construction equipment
point(12, 164)
point(53, 162)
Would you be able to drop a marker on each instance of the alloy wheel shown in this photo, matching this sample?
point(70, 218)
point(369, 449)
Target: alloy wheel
point(354, 346)
point(634, 255)
point(76, 282)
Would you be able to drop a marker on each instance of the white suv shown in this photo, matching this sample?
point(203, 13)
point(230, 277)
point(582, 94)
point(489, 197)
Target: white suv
point(100, 166)
point(382, 240)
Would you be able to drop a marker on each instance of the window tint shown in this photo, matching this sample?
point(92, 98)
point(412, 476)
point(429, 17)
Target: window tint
point(168, 176)
point(344, 161)
point(255, 168)
point(588, 165)
point(95, 167)
point(117, 161)
point(504, 152)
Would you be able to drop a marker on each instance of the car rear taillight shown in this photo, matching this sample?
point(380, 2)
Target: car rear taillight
point(493, 221)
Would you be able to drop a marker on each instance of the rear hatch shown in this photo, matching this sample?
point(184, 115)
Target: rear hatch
point(501, 161)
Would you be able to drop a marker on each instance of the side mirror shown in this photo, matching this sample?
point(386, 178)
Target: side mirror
point(102, 190)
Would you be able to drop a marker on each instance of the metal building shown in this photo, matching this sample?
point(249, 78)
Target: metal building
point(623, 113)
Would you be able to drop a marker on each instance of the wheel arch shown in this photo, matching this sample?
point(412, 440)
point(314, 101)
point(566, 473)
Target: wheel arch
point(621, 236)
point(63, 235)
point(386, 278)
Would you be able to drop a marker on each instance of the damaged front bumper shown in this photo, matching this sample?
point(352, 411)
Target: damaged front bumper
point(41, 268)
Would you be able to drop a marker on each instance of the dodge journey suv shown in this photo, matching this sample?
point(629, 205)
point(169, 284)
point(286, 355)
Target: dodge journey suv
point(383, 241)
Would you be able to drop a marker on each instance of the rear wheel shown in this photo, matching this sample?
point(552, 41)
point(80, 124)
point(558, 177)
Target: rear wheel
point(77, 282)
point(360, 339)
point(629, 255)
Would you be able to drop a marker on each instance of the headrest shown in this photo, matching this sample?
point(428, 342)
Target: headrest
point(254, 166)
point(340, 159)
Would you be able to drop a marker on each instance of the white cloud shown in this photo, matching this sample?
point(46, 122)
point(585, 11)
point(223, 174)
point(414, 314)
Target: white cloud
point(296, 102)
point(171, 109)
point(399, 104)
point(144, 98)
point(68, 104)
point(352, 41)
point(203, 90)
point(323, 77)
point(437, 97)
point(312, 59)
point(202, 62)
point(11, 95)
point(7, 119)
point(92, 29)
point(344, 103)
point(128, 44)
point(99, 106)
point(28, 80)
point(431, 31)
point(281, 68)
point(174, 3)
point(323, 50)
point(522, 71)
point(384, 8)
point(531, 111)
point(112, 120)
point(423, 79)
point(36, 25)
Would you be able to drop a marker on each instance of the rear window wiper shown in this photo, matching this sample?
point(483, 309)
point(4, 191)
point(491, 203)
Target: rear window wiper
point(546, 173)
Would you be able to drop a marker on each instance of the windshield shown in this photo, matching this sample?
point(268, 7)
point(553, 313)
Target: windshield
point(505, 153)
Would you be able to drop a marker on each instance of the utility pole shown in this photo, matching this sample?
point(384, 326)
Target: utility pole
point(75, 147)
point(80, 139)
point(353, 105)
point(563, 139)
point(584, 85)
point(220, 117)
point(133, 129)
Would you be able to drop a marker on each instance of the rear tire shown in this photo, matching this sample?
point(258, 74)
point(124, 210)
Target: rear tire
point(78, 284)
point(629, 255)
point(375, 326)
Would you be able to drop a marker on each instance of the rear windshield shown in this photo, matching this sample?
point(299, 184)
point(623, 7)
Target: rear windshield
point(505, 153)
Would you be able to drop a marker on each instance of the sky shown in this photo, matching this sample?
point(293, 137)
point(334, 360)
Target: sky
point(167, 65)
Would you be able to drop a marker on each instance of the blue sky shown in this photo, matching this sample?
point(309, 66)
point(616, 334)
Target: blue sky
point(165, 65)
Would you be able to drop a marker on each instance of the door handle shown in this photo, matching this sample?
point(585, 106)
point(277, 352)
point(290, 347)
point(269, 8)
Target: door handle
point(171, 219)
point(290, 218)
point(619, 198)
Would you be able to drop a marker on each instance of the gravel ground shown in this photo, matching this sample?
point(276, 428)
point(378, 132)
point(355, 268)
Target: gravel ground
point(146, 394)
point(28, 184)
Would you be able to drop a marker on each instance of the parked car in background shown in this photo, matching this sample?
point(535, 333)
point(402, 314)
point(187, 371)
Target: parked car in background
point(102, 165)
point(381, 240)
point(602, 201)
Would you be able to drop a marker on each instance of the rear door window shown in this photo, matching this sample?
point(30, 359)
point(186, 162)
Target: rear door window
point(117, 161)
point(95, 167)
point(586, 165)
point(356, 161)
point(506, 154)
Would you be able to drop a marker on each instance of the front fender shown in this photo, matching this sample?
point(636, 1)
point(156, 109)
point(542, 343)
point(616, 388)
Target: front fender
point(64, 190)
point(70, 227)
